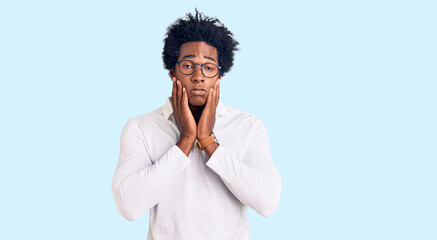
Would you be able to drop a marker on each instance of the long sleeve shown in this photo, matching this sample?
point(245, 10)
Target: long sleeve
point(254, 179)
point(139, 182)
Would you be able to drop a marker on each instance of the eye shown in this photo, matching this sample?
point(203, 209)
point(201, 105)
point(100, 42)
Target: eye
point(209, 67)
point(188, 65)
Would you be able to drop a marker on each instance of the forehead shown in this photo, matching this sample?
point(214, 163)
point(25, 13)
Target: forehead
point(198, 49)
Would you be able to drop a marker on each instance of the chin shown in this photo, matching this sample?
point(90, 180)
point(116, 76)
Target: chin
point(197, 102)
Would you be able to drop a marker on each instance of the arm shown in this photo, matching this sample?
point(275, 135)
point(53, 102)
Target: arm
point(138, 185)
point(254, 180)
point(207, 120)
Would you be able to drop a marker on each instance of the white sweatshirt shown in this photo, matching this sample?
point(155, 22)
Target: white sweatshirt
point(195, 197)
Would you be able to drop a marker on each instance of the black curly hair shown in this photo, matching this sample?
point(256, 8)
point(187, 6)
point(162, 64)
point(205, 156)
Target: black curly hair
point(199, 28)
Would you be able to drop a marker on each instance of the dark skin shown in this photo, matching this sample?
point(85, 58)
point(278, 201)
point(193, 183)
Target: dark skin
point(195, 97)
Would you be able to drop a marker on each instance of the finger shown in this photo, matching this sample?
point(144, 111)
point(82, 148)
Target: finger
point(179, 97)
point(217, 93)
point(213, 95)
point(210, 99)
point(173, 95)
point(185, 106)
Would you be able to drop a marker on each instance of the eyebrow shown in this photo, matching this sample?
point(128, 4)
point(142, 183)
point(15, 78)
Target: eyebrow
point(192, 56)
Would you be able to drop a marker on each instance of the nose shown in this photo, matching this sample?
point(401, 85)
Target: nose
point(198, 75)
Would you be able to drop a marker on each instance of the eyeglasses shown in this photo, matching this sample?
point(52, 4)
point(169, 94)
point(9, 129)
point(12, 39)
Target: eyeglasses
point(188, 67)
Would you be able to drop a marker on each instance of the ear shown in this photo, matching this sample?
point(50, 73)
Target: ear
point(171, 73)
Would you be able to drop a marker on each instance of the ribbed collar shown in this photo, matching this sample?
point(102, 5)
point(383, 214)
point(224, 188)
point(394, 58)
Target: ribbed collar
point(167, 109)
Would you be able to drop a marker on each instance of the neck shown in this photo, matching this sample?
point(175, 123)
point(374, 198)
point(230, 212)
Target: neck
point(197, 112)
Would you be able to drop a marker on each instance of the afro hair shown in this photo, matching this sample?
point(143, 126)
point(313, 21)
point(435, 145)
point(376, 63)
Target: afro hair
point(199, 28)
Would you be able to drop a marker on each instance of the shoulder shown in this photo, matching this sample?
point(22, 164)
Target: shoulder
point(148, 120)
point(152, 116)
point(238, 129)
point(240, 118)
point(237, 114)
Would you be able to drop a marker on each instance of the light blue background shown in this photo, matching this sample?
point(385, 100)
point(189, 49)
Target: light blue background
point(346, 89)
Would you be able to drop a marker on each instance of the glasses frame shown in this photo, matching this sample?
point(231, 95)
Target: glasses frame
point(195, 68)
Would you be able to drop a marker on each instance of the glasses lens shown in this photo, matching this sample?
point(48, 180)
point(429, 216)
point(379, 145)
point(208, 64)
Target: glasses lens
point(210, 70)
point(187, 67)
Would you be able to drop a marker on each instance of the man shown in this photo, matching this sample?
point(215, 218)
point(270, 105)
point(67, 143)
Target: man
point(196, 163)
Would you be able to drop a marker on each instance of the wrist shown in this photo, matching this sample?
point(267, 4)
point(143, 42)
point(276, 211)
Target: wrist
point(202, 143)
point(186, 144)
point(201, 136)
point(188, 138)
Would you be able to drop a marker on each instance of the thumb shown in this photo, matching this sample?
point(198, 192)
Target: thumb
point(209, 99)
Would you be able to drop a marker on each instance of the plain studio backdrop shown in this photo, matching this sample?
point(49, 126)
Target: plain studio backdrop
point(346, 89)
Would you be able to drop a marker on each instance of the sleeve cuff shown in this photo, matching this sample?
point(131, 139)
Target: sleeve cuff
point(179, 155)
point(214, 160)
